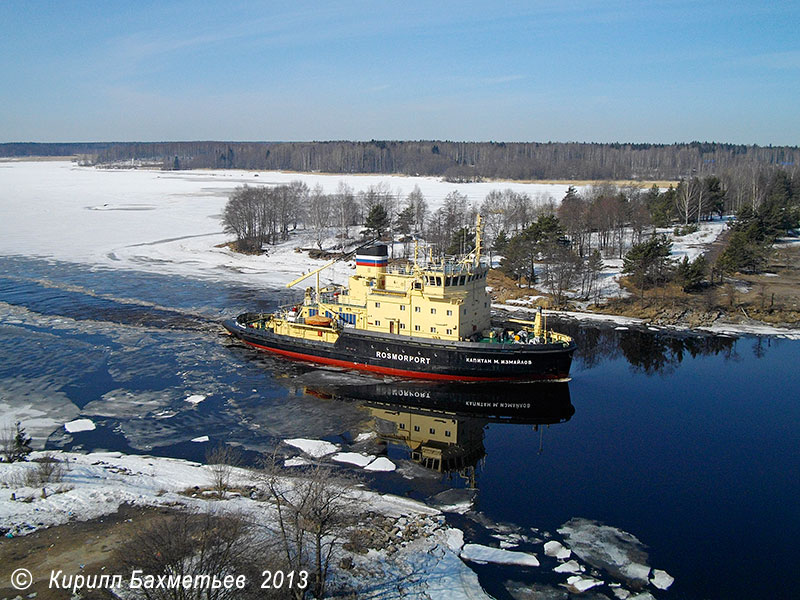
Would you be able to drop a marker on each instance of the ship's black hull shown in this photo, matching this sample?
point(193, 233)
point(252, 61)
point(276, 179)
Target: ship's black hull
point(422, 359)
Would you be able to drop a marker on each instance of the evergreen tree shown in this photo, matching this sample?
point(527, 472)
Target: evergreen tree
point(648, 263)
point(661, 206)
point(690, 274)
point(463, 242)
point(501, 241)
point(16, 444)
point(594, 264)
point(377, 220)
point(405, 221)
point(715, 195)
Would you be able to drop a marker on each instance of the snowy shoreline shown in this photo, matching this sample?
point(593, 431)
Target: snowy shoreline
point(724, 329)
point(425, 553)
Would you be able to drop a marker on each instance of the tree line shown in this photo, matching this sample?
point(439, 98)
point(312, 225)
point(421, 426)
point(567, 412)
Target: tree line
point(564, 247)
point(455, 161)
point(561, 246)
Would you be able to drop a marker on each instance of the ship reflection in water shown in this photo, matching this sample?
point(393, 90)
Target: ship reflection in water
point(442, 426)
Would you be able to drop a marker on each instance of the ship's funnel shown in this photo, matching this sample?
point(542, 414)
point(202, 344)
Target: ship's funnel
point(372, 261)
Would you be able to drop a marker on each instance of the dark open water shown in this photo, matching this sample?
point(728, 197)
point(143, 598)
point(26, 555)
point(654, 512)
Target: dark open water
point(689, 442)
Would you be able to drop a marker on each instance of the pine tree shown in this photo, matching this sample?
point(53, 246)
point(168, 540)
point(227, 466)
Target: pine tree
point(16, 444)
point(690, 274)
point(405, 220)
point(501, 241)
point(377, 220)
point(463, 242)
point(648, 263)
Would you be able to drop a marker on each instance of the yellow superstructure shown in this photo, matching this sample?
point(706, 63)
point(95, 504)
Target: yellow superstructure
point(443, 299)
point(434, 298)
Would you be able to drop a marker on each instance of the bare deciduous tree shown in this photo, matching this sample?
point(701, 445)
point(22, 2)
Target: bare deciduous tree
point(312, 513)
point(196, 545)
point(220, 462)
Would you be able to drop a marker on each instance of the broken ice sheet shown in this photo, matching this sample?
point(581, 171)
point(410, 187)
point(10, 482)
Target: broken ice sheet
point(618, 552)
point(486, 554)
point(535, 591)
point(79, 425)
point(582, 583)
point(354, 458)
point(661, 579)
point(381, 464)
point(315, 448)
point(557, 550)
point(571, 566)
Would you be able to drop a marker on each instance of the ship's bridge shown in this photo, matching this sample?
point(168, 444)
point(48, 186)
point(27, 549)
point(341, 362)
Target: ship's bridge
point(440, 299)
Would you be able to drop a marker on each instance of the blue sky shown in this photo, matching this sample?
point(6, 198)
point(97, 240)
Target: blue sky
point(573, 70)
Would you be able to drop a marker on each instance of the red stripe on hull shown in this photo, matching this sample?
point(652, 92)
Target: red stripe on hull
point(383, 370)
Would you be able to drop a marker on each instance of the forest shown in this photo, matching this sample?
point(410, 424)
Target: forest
point(455, 161)
point(559, 246)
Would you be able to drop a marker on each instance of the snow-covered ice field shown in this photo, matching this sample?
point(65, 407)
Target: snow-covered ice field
point(168, 222)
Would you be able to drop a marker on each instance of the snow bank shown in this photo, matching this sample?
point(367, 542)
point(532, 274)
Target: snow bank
point(94, 485)
point(486, 554)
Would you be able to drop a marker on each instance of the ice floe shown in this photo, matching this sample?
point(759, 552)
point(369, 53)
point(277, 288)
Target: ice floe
point(455, 539)
point(481, 554)
point(571, 566)
point(582, 583)
point(79, 425)
point(354, 458)
point(618, 552)
point(195, 399)
point(202, 438)
point(557, 550)
point(454, 500)
point(315, 448)
point(661, 579)
point(381, 464)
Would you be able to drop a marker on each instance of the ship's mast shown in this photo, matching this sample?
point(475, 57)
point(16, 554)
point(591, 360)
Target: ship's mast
point(325, 266)
point(478, 238)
